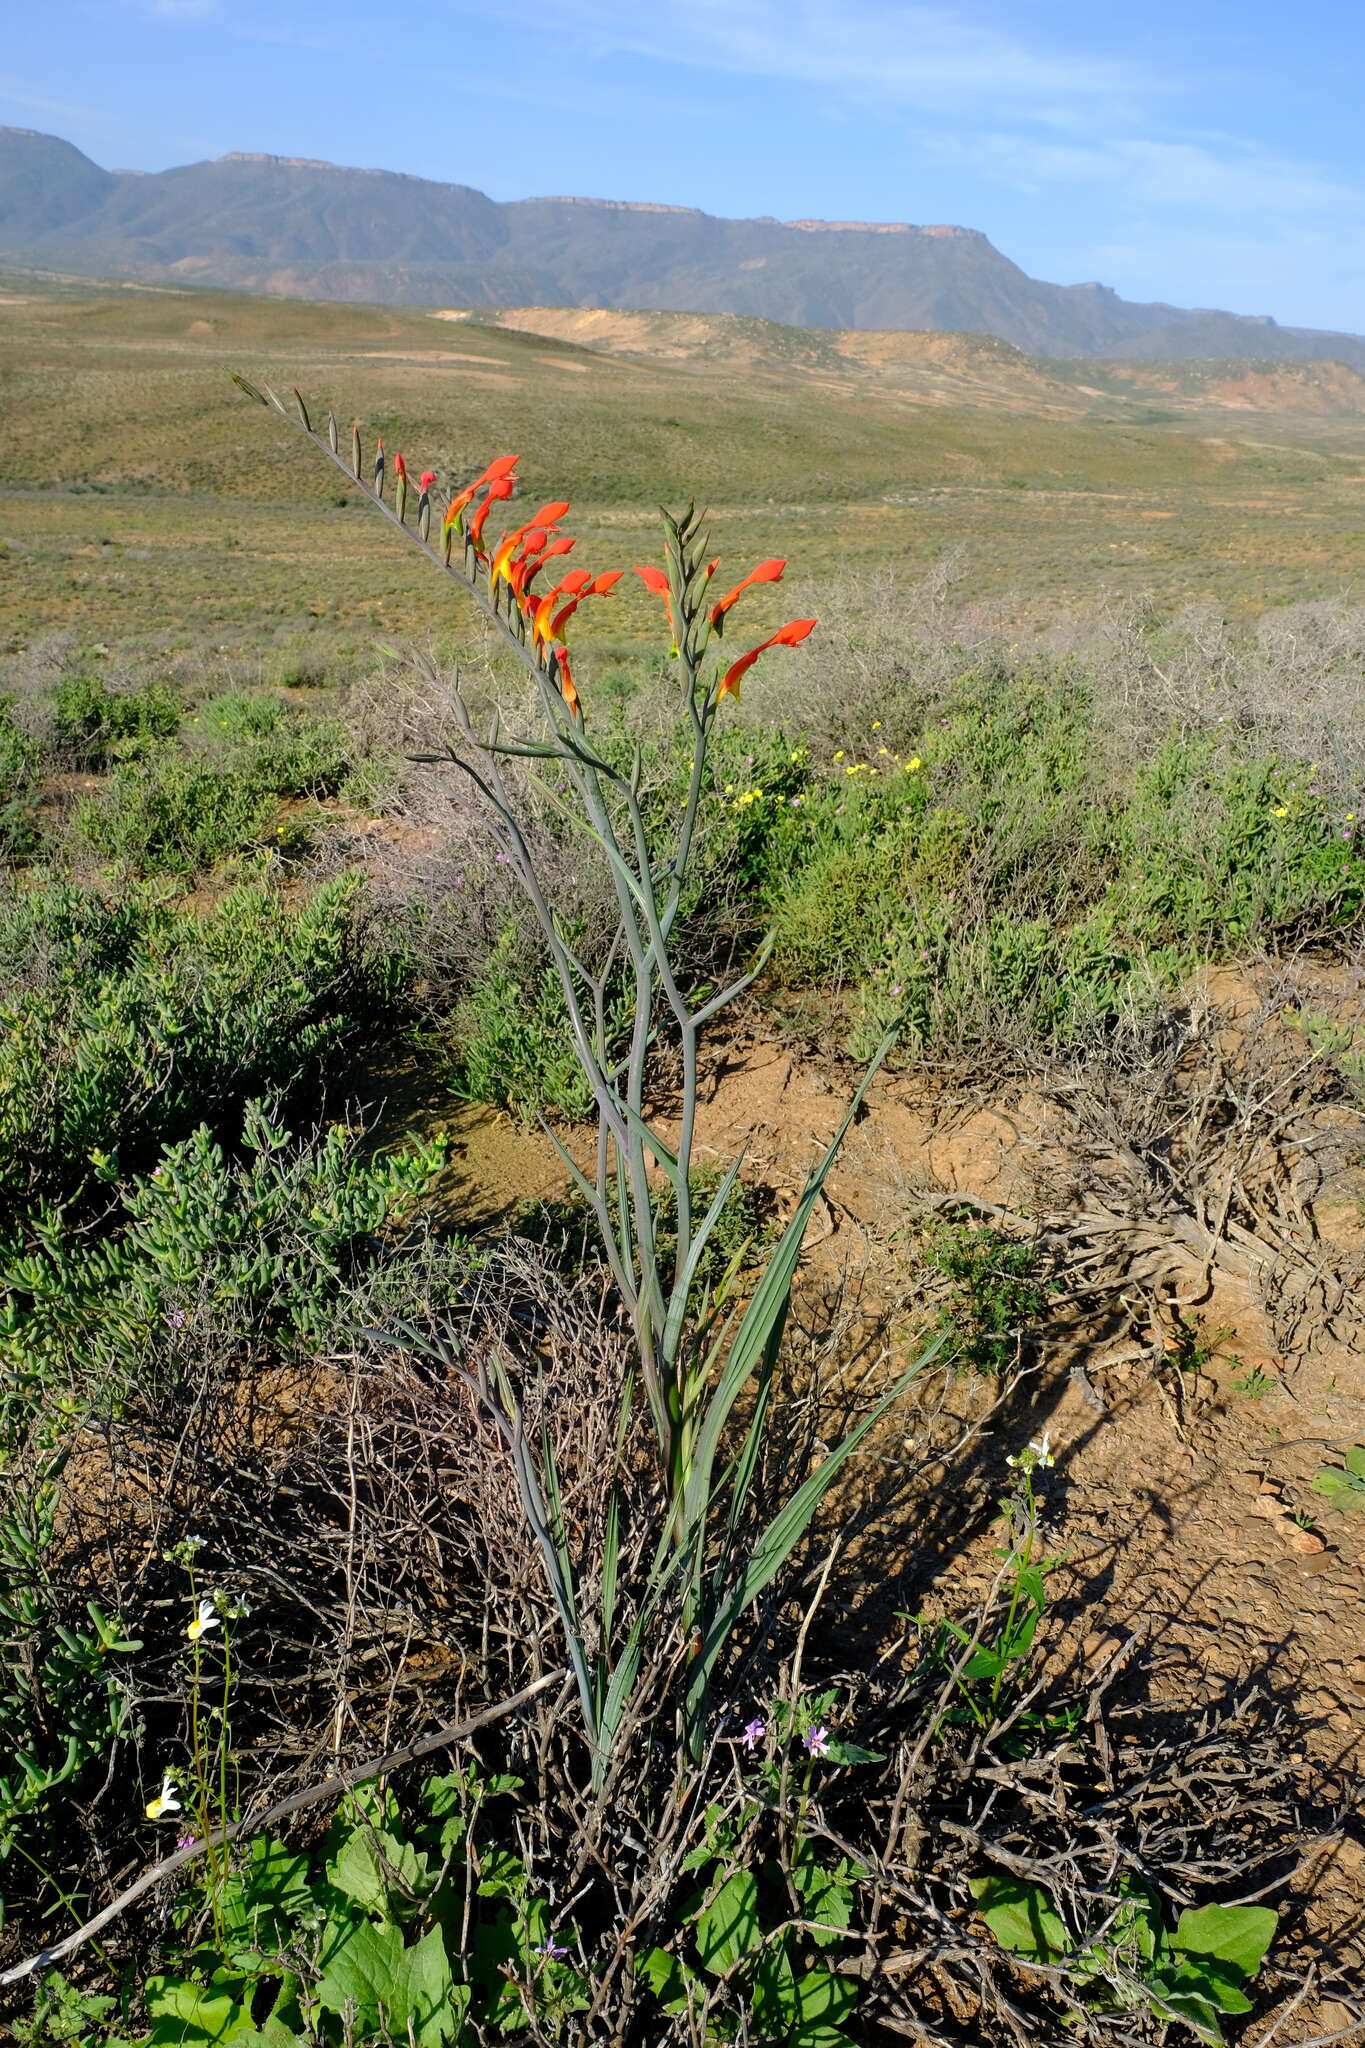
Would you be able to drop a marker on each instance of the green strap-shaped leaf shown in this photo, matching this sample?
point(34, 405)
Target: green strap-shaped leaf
point(776, 1544)
point(769, 1304)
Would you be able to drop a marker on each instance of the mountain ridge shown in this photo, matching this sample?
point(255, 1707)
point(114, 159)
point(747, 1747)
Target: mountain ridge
point(305, 227)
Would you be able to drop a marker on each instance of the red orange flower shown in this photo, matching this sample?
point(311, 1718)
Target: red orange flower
point(541, 608)
point(599, 586)
point(790, 635)
point(496, 473)
point(654, 579)
point(766, 572)
point(563, 546)
point(566, 683)
point(543, 521)
point(501, 487)
point(426, 480)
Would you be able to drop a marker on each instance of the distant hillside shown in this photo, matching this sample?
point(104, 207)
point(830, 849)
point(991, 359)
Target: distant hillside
point(303, 229)
point(947, 369)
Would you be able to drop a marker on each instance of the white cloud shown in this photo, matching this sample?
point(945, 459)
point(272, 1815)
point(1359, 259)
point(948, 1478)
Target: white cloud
point(927, 56)
point(14, 93)
point(1237, 179)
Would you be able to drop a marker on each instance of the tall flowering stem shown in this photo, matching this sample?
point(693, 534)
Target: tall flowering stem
point(696, 1351)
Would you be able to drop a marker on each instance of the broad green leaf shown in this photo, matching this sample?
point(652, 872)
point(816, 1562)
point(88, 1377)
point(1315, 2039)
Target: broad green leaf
point(411, 1987)
point(1238, 1935)
point(668, 1977)
point(823, 1999)
point(265, 1898)
point(1344, 1489)
point(361, 1870)
point(984, 1664)
point(501, 1782)
point(501, 1874)
point(444, 1799)
point(189, 2015)
point(1021, 1916)
point(1188, 1992)
point(272, 2033)
point(776, 2007)
point(1355, 1460)
point(852, 1753)
point(826, 1895)
point(728, 1928)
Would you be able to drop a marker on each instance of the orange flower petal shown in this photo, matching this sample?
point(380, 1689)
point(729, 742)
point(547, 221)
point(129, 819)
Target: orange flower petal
point(790, 635)
point(496, 472)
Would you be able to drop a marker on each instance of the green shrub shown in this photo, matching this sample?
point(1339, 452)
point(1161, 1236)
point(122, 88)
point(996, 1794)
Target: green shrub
point(63, 1699)
point(94, 724)
point(174, 817)
point(124, 1023)
point(999, 1289)
point(276, 747)
point(20, 761)
point(996, 880)
point(513, 1039)
point(259, 1246)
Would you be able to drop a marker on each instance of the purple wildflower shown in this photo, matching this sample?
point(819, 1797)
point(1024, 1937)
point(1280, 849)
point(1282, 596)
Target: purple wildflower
point(754, 1733)
point(816, 1741)
point(549, 1949)
point(177, 1318)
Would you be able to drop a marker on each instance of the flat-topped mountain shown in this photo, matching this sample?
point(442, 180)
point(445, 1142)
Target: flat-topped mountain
point(302, 228)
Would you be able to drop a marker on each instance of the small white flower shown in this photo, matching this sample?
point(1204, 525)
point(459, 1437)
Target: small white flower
point(165, 1803)
point(1036, 1458)
point(206, 1619)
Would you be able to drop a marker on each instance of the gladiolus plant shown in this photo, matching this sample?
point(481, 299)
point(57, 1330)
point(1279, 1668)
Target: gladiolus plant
point(698, 1356)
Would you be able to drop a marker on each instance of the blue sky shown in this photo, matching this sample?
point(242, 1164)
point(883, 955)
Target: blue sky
point(1207, 152)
